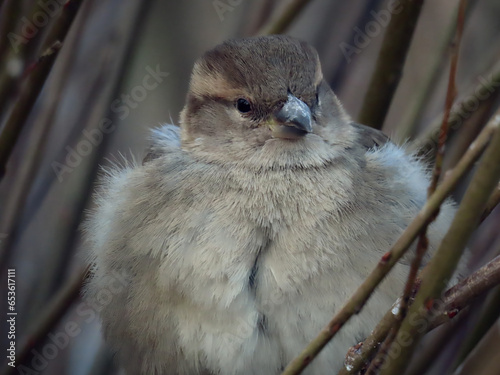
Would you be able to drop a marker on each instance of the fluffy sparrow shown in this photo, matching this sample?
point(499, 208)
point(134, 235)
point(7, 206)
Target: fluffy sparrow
point(247, 228)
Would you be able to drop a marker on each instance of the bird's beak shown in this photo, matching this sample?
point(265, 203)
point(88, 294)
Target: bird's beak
point(292, 121)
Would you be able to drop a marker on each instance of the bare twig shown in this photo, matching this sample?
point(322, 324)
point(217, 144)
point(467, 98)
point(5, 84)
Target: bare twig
point(424, 88)
point(450, 97)
point(488, 314)
point(484, 358)
point(109, 83)
point(22, 108)
point(390, 62)
point(455, 299)
point(279, 25)
point(484, 94)
point(460, 295)
point(115, 57)
point(12, 60)
point(10, 15)
point(423, 242)
point(358, 299)
point(36, 80)
point(25, 174)
point(449, 252)
point(437, 343)
point(61, 28)
point(57, 309)
point(23, 51)
point(409, 121)
point(485, 319)
point(371, 344)
point(492, 203)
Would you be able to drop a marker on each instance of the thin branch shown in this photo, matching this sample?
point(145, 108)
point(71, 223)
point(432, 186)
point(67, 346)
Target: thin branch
point(492, 203)
point(22, 108)
point(105, 85)
point(438, 343)
point(23, 51)
point(13, 59)
point(25, 174)
point(483, 94)
point(445, 260)
point(390, 62)
point(423, 242)
point(35, 82)
point(56, 310)
point(485, 319)
point(460, 295)
point(359, 298)
point(279, 25)
point(483, 359)
point(113, 70)
point(450, 97)
point(61, 28)
point(371, 343)
point(455, 299)
point(425, 87)
point(10, 15)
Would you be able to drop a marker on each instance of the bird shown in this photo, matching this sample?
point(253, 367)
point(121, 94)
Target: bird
point(244, 229)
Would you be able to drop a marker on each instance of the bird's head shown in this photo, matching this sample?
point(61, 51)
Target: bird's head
point(260, 98)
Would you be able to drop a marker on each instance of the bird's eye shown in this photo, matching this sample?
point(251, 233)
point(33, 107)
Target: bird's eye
point(243, 105)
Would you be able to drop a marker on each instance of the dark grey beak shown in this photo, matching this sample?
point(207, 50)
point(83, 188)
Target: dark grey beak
point(295, 113)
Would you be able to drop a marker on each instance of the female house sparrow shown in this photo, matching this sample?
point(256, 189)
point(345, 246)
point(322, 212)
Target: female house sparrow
point(244, 231)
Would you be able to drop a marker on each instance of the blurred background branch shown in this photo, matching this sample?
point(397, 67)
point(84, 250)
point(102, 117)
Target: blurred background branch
point(455, 299)
point(279, 25)
point(390, 62)
point(447, 256)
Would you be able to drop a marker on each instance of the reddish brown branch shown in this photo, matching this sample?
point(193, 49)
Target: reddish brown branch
point(361, 295)
point(450, 97)
point(423, 242)
point(455, 300)
point(446, 258)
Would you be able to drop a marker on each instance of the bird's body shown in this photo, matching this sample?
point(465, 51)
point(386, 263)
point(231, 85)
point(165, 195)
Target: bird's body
point(238, 246)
